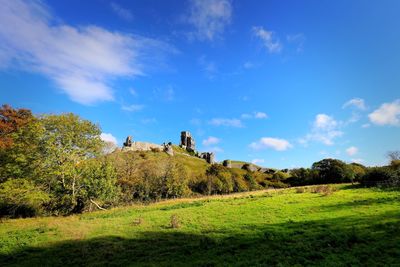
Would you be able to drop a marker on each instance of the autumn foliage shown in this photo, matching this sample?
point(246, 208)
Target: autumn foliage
point(10, 121)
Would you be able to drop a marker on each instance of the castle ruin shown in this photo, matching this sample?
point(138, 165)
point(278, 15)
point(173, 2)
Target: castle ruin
point(187, 141)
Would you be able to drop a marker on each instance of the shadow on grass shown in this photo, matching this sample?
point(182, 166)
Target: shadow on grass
point(348, 241)
point(361, 202)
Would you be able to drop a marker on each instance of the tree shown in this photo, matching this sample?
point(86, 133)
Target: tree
point(67, 141)
point(21, 198)
point(10, 121)
point(394, 157)
point(19, 155)
point(332, 171)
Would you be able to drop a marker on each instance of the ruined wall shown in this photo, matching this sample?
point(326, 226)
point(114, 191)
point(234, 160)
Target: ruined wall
point(187, 141)
point(142, 146)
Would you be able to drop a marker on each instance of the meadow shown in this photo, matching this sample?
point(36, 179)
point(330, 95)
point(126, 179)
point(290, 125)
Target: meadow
point(344, 226)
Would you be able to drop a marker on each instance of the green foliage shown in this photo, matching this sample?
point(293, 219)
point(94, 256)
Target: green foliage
point(358, 169)
point(20, 198)
point(332, 171)
point(381, 176)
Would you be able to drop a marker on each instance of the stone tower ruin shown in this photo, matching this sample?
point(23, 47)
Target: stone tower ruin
point(187, 141)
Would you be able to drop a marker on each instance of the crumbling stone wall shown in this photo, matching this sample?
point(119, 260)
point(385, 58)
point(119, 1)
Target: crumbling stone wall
point(187, 141)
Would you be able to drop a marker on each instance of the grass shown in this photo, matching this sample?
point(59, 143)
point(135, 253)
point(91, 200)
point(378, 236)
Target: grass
point(349, 227)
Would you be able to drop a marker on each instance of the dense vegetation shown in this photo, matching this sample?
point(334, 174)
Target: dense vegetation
point(350, 226)
point(57, 165)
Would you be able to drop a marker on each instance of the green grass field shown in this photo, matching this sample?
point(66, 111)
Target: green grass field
point(351, 227)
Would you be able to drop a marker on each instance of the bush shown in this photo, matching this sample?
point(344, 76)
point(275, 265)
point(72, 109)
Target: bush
point(174, 222)
point(325, 190)
point(20, 198)
point(381, 176)
point(332, 171)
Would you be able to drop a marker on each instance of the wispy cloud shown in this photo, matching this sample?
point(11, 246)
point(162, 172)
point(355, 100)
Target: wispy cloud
point(351, 151)
point(107, 137)
point(82, 61)
point(132, 108)
point(298, 40)
point(386, 114)
point(226, 122)
point(268, 38)
point(357, 103)
point(277, 144)
point(211, 140)
point(123, 13)
point(254, 115)
point(149, 120)
point(133, 92)
point(325, 130)
point(358, 160)
point(257, 161)
point(209, 18)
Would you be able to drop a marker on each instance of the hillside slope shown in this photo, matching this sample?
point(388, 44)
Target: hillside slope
point(352, 226)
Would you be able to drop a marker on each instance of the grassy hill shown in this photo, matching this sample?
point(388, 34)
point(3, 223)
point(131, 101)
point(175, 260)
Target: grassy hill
point(350, 226)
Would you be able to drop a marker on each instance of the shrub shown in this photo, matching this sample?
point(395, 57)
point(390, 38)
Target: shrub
point(381, 176)
point(174, 222)
point(325, 190)
point(300, 190)
point(20, 198)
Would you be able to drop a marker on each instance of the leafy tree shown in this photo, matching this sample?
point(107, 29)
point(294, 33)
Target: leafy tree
point(21, 198)
point(11, 120)
point(383, 176)
point(67, 141)
point(394, 157)
point(359, 170)
point(176, 180)
point(332, 171)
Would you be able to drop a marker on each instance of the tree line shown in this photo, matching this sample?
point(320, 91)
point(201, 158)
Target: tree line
point(57, 165)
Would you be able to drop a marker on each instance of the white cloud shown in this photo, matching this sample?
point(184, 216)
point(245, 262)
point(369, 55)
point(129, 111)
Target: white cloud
point(123, 13)
point(357, 103)
point(226, 122)
point(269, 142)
point(255, 115)
point(325, 129)
point(386, 114)
point(149, 120)
point(260, 115)
point(82, 61)
point(323, 121)
point(351, 151)
point(209, 18)
point(257, 161)
point(211, 140)
point(133, 108)
point(107, 137)
point(268, 38)
point(359, 161)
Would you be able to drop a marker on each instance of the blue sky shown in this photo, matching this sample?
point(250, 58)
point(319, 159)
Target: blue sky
point(282, 84)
